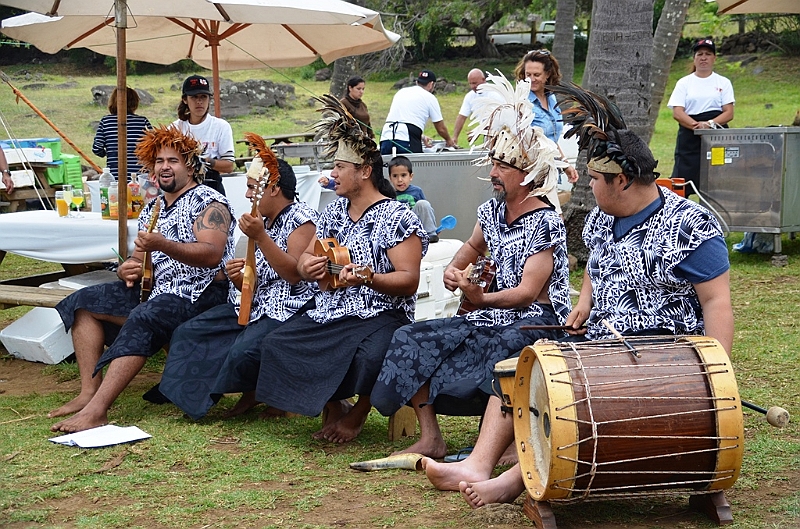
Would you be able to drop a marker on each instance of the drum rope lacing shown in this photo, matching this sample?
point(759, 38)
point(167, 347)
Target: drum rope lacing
point(594, 466)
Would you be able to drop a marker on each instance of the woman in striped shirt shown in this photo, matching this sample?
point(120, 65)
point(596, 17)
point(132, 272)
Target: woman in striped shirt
point(105, 140)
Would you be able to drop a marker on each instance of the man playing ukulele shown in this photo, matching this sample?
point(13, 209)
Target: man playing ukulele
point(526, 239)
point(194, 238)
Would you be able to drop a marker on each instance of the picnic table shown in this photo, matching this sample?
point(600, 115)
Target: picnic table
point(291, 138)
point(41, 188)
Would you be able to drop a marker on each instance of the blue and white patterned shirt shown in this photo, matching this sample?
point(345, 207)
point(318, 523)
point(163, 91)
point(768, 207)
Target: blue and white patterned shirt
point(634, 284)
point(510, 246)
point(383, 226)
point(176, 223)
point(275, 297)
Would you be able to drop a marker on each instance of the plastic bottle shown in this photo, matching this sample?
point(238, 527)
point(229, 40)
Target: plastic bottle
point(105, 181)
point(113, 200)
point(135, 200)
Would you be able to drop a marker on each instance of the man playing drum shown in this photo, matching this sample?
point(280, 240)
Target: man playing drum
point(523, 234)
point(657, 265)
point(194, 237)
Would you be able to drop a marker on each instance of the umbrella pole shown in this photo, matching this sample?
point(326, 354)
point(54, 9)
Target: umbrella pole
point(122, 126)
point(19, 95)
point(214, 41)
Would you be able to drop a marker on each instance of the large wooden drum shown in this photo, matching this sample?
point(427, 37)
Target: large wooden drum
point(592, 421)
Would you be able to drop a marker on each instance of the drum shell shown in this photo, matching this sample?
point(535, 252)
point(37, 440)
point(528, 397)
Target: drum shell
point(669, 420)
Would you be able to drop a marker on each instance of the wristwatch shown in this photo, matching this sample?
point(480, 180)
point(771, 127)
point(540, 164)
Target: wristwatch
point(6, 171)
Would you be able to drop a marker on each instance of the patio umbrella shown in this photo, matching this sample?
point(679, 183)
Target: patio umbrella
point(741, 7)
point(207, 24)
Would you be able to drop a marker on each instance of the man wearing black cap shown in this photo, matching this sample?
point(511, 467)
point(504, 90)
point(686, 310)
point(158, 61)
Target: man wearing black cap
point(214, 133)
point(208, 355)
point(701, 100)
point(411, 109)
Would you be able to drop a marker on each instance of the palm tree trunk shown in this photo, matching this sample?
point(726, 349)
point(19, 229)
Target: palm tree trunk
point(618, 67)
point(665, 42)
point(564, 38)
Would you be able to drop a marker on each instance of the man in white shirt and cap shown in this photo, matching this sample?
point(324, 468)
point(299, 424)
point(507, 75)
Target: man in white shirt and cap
point(411, 109)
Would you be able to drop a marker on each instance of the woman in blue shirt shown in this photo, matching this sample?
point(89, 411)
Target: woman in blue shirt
point(540, 67)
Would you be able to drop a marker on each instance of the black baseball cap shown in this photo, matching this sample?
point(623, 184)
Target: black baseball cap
point(705, 43)
point(196, 84)
point(426, 76)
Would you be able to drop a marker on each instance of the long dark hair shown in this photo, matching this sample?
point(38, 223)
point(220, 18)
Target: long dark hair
point(378, 180)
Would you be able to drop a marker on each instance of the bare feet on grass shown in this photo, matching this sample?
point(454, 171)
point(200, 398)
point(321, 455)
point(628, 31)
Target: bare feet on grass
point(83, 420)
point(447, 476)
point(486, 492)
point(433, 448)
point(347, 426)
point(245, 403)
point(73, 406)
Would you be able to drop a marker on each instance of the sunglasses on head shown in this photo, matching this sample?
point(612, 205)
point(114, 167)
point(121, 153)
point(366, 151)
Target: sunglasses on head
point(540, 52)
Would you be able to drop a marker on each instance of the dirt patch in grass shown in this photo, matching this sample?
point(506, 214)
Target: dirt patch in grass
point(20, 377)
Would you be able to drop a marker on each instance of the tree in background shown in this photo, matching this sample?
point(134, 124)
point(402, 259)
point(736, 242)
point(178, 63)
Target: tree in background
point(665, 43)
point(429, 23)
point(618, 67)
point(564, 37)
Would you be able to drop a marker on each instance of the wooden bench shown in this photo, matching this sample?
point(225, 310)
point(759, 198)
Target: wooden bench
point(22, 296)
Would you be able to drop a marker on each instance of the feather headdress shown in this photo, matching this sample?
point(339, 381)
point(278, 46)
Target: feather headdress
point(264, 166)
point(167, 136)
point(503, 115)
point(600, 129)
point(347, 141)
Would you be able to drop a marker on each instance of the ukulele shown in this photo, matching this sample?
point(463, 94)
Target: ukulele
point(266, 178)
point(249, 272)
point(338, 257)
point(482, 273)
point(147, 262)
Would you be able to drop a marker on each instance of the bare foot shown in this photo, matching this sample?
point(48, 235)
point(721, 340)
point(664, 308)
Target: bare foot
point(447, 476)
point(509, 457)
point(75, 405)
point(271, 413)
point(486, 492)
point(345, 429)
point(433, 448)
point(333, 412)
point(83, 420)
point(246, 403)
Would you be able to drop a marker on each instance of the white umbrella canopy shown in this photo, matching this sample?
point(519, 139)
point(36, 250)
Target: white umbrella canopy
point(254, 33)
point(164, 40)
point(740, 7)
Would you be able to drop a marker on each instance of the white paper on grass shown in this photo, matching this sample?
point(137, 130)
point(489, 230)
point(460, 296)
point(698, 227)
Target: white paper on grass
point(107, 435)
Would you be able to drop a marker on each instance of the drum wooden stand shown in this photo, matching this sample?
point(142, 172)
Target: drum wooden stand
point(715, 506)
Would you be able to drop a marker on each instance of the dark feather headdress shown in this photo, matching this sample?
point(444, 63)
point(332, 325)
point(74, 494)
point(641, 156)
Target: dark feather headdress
point(503, 115)
point(346, 140)
point(601, 131)
point(168, 136)
point(264, 166)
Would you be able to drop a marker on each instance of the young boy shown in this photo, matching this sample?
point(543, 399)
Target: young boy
point(401, 175)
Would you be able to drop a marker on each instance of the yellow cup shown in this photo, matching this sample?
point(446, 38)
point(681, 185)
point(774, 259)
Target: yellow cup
point(61, 204)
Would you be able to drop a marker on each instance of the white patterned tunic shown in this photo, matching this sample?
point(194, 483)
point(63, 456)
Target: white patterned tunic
point(634, 285)
point(383, 226)
point(275, 297)
point(176, 223)
point(510, 245)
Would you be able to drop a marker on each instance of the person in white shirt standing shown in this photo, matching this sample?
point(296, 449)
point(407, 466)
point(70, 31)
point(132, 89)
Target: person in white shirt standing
point(475, 77)
point(701, 100)
point(214, 133)
point(411, 109)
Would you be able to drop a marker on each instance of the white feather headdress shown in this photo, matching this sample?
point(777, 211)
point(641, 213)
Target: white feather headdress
point(503, 116)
